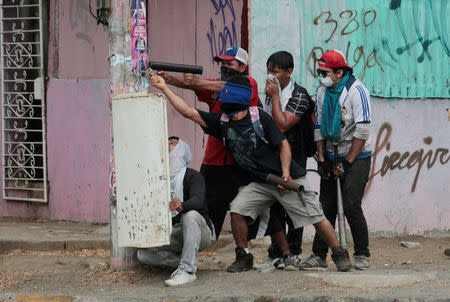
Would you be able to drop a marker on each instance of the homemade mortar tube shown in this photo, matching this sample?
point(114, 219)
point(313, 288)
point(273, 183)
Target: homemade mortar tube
point(290, 185)
point(175, 67)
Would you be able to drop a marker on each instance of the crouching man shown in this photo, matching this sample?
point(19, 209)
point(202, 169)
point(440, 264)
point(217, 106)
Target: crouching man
point(191, 227)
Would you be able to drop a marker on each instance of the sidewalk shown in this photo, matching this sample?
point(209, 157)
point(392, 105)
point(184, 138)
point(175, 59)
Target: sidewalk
point(66, 261)
point(44, 235)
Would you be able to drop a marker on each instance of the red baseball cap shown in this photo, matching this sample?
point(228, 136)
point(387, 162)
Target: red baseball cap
point(333, 59)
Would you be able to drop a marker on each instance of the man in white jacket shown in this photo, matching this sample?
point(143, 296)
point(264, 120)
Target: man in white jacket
point(342, 117)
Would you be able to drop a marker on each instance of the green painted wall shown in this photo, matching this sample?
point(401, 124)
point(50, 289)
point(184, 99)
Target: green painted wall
point(398, 48)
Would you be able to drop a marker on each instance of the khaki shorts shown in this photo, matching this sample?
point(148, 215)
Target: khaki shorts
point(254, 199)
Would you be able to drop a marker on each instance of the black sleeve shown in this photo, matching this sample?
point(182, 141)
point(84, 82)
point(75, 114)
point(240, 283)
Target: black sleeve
point(194, 191)
point(271, 131)
point(299, 102)
point(212, 121)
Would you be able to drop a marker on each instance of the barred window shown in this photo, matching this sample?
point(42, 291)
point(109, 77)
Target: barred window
point(23, 101)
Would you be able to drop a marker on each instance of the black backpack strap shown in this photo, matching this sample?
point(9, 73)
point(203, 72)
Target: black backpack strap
point(224, 125)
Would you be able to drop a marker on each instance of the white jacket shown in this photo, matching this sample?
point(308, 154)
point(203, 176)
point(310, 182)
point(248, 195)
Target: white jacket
point(355, 118)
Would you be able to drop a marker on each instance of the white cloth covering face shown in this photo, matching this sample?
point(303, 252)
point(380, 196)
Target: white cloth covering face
point(285, 94)
point(178, 160)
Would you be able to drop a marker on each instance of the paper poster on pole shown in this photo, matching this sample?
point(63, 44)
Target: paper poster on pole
point(139, 41)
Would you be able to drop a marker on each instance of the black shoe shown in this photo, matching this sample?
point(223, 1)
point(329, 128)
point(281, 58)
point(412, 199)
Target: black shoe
point(341, 259)
point(314, 263)
point(243, 262)
point(290, 263)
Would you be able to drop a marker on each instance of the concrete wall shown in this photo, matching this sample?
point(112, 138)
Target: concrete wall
point(408, 191)
point(78, 114)
point(78, 126)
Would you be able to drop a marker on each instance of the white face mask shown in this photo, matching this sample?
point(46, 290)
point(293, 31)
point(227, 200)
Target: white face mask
point(326, 82)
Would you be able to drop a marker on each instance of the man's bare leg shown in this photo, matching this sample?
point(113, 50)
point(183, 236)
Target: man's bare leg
point(280, 239)
point(339, 255)
point(327, 233)
point(244, 260)
point(240, 230)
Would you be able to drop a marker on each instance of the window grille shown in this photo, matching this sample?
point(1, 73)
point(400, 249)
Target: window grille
point(23, 101)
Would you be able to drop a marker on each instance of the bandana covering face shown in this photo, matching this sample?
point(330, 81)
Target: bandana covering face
point(227, 72)
point(178, 160)
point(284, 94)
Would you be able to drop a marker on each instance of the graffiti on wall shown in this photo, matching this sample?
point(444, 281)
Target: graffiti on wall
point(81, 20)
point(392, 60)
point(222, 32)
point(348, 21)
point(414, 160)
point(422, 36)
point(398, 48)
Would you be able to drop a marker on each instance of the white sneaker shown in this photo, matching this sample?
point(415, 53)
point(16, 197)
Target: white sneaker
point(267, 266)
point(180, 277)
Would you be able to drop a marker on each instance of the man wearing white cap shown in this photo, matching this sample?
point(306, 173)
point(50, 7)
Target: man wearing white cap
point(218, 167)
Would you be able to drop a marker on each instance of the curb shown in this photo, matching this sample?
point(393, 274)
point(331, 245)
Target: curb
point(8, 245)
point(218, 298)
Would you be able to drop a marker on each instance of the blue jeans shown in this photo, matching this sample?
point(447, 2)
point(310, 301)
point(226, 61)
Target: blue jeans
point(188, 237)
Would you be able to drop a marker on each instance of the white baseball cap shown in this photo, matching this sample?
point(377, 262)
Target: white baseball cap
point(233, 53)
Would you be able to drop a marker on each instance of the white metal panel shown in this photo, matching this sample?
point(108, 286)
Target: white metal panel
point(142, 169)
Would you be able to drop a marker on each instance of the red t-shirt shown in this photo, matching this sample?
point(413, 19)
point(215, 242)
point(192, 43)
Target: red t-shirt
point(215, 150)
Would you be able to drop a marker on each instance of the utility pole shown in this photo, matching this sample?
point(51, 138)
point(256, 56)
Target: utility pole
point(121, 80)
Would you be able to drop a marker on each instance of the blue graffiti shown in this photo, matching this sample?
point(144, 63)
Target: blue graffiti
point(222, 38)
point(221, 6)
point(423, 38)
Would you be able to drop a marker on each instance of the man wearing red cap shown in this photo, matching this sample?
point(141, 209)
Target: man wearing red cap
point(218, 168)
point(342, 117)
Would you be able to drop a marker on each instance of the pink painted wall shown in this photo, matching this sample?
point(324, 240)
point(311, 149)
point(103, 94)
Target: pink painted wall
point(78, 141)
point(199, 33)
point(78, 123)
point(83, 46)
point(78, 151)
point(78, 120)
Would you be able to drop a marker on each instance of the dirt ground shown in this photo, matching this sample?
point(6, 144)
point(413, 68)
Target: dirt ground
point(87, 271)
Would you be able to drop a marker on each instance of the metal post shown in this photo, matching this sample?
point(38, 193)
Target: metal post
point(340, 207)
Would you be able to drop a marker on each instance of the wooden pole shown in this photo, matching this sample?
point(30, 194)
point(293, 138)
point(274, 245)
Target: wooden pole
point(121, 80)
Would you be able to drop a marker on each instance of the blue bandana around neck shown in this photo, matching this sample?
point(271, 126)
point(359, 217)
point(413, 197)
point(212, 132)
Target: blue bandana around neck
point(331, 112)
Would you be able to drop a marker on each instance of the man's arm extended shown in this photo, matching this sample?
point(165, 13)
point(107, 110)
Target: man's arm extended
point(194, 83)
point(285, 158)
point(177, 102)
point(190, 81)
